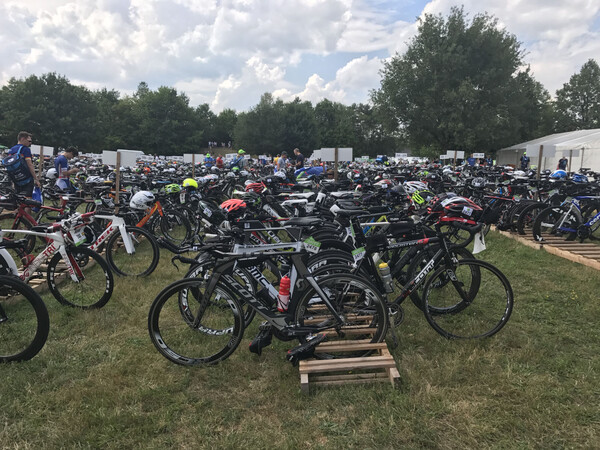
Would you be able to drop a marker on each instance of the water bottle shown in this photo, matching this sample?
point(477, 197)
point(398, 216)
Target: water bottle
point(384, 271)
point(283, 299)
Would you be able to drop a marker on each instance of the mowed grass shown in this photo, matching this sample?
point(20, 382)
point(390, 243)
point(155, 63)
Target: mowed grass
point(99, 382)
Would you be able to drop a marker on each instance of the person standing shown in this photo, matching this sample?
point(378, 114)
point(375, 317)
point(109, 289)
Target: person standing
point(524, 161)
point(26, 178)
point(282, 162)
point(61, 164)
point(562, 163)
point(299, 159)
point(209, 161)
point(239, 161)
point(219, 162)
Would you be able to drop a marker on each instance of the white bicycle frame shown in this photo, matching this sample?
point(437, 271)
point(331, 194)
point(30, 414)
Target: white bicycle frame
point(57, 244)
point(116, 224)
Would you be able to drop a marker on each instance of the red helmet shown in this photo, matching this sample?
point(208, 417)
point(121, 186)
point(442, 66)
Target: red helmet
point(234, 204)
point(461, 207)
point(256, 187)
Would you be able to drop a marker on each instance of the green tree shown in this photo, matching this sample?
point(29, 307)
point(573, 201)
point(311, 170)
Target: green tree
point(578, 102)
point(299, 127)
point(457, 86)
point(335, 123)
point(55, 111)
point(261, 130)
point(224, 126)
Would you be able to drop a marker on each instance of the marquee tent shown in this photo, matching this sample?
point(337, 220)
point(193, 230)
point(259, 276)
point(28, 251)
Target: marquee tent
point(581, 148)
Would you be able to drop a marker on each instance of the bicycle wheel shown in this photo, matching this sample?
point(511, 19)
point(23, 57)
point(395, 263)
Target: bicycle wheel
point(456, 311)
point(421, 260)
point(589, 212)
point(206, 333)
point(556, 221)
point(527, 217)
point(22, 224)
point(141, 262)
point(241, 276)
point(360, 304)
point(175, 227)
point(95, 281)
point(24, 321)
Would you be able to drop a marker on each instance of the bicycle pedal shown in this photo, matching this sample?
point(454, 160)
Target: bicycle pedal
point(262, 339)
point(304, 351)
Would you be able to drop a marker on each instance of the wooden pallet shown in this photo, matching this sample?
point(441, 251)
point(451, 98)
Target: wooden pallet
point(380, 366)
point(580, 252)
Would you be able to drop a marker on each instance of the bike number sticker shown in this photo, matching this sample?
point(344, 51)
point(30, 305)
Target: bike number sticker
point(78, 237)
point(358, 254)
point(311, 245)
point(467, 211)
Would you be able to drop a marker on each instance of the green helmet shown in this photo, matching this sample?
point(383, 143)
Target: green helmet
point(173, 188)
point(241, 152)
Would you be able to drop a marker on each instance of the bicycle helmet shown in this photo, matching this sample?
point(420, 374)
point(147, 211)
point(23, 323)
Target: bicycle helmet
point(421, 198)
point(255, 187)
point(172, 188)
point(461, 207)
point(478, 182)
point(94, 179)
point(559, 175)
point(579, 178)
point(413, 186)
point(241, 152)
point(190, 183)
point(233, 205)
point(51, 174)
point(142, 200)
point(252, 199)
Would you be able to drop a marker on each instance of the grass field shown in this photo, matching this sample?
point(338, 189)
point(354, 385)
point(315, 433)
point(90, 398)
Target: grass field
point(99, 382)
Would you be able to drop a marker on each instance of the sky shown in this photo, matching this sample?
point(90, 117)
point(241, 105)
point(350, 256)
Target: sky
point(228, 53)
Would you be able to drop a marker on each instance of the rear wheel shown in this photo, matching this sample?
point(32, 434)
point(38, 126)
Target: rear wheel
point(141, 262)
point(175, 227)
point(556, 222)
point(357, 301)
point(94, 284)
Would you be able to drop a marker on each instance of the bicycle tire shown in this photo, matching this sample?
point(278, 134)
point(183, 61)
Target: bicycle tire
point(357, 300)
point(421, 259)
point(216, 336)
point(80, 294)
point(175, 227)
point(555, 221)
point(24, 321)
point(242, 277)
point(472, 315)
point(142, 262)
point(23, 224)
point(527, 217)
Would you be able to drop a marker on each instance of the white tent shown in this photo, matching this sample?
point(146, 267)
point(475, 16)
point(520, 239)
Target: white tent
point(581, 148)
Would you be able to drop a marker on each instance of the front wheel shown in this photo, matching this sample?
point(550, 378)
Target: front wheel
point(141, 262)
point(206, 332)
point(94, 284)
point(175, 227)
point(457, 311)
point(24, 321)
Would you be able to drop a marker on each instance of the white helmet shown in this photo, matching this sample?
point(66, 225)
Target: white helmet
point(142, 200)
point(51, 174)
point(280, 174)
point(414, 186)
point(94, 179)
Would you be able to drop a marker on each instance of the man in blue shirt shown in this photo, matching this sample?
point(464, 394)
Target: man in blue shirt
point(209, 161)
point(24, 140)
point(239, 161)
point(61, 164)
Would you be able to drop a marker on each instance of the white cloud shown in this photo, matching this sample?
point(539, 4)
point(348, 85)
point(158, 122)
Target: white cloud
point(229, 52)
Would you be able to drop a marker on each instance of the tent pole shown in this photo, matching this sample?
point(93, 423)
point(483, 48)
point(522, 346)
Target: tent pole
point(539, 168)
point(570, 159)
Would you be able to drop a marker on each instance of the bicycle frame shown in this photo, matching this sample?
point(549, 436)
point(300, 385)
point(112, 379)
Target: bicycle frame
point(223, 270)
point(117, 224)
point(156, 207)
point(56, 244)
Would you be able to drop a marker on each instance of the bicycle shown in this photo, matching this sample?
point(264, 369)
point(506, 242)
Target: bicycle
point(24, 321)
point(85, 285)
point(198, 322)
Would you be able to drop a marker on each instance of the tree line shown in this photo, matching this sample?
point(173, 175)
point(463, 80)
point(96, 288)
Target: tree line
point(462, 84)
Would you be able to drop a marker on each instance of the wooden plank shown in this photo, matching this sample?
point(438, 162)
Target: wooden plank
point(348, 376)
point(332, 365)
point(304, 386)
point(573, 257)
point(349, 346)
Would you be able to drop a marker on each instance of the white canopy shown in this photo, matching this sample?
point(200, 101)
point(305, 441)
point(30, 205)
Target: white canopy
point(581, 147)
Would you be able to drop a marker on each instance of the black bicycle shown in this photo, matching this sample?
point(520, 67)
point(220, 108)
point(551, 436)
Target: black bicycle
point(197, 321)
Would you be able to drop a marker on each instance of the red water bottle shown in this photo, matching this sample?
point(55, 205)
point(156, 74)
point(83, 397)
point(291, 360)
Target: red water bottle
point(283, 299)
